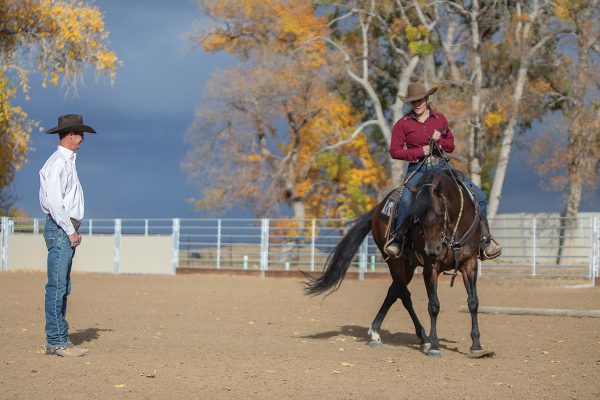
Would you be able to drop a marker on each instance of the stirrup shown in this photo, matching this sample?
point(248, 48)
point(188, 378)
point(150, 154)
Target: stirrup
point(393, 248)
point(484, 255)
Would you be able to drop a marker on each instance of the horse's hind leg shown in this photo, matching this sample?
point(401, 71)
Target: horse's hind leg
point(391, 297)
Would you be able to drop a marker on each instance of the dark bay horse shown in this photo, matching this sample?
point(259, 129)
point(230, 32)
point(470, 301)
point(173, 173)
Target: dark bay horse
point(443, 234)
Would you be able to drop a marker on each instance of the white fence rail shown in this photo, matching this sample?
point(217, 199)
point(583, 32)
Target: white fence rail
point(533, 245)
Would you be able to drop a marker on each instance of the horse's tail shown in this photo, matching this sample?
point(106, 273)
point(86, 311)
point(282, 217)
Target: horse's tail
point(338, 262)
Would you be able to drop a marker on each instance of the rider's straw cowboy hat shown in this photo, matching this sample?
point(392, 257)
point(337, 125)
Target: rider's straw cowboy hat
point(71, 123)
point(417, 91)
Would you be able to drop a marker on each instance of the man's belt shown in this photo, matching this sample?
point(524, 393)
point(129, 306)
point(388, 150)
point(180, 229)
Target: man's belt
point(76, 224)
point(432, 160)
point(429, 161)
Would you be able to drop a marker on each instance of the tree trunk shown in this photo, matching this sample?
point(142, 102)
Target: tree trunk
point(398, 168)
point(299, 215)
point(475, 133)
point(569, 225)
point(506, 143)
point(577, 151)
point(298, 209)
point(397, 173)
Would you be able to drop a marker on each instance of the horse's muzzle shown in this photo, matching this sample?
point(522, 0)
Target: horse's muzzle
point(433, 251)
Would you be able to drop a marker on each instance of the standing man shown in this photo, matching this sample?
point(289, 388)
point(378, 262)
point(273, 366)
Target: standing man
point(61, 199)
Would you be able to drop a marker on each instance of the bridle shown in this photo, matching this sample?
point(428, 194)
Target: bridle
point(449, 240)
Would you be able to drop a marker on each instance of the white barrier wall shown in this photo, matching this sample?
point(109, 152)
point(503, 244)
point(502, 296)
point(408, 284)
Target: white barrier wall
point(147, 255)
point(137, 254)
point(95, 254)
point(26, 252)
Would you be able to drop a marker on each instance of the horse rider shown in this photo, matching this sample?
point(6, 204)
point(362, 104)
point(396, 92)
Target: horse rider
point(411, 138)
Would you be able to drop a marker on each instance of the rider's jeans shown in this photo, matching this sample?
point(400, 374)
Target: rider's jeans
point(407, 195)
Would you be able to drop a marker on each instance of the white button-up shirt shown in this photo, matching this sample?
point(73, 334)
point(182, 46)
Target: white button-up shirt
point(61, 195)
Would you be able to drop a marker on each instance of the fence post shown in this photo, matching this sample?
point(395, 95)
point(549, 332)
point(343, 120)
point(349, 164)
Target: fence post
point(362, 259)
point(176, 230)
point(312, 246)
point(219, 244)
point(146, 227)
point(597, 245)
point(90, 228)
point(4, 252)
point(36, 226)
point(534, 247)
point(264, 246)
point(595, 250)
point(117, 256)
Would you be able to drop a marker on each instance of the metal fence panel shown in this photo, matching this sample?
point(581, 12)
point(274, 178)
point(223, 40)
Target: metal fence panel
point(534, 245)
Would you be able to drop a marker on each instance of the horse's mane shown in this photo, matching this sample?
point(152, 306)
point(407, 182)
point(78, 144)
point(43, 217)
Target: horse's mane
point(421, 201)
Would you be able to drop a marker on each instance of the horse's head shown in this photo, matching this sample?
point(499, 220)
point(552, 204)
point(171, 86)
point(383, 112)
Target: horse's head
point(430, 208)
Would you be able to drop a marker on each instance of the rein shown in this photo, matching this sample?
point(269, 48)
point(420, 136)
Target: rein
point(456, 246)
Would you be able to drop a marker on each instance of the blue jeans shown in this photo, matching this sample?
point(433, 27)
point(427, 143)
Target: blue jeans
point(407, 196)
point(60, 258)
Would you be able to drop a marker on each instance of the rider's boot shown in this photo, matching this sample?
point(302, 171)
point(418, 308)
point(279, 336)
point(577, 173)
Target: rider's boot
point(489, 247)
point(394, 247)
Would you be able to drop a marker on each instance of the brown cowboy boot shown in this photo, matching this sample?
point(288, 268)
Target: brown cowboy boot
point(490, 248)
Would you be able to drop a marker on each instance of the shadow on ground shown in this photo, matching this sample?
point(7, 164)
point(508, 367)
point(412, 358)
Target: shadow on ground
point(86, 335)
point(403, 339)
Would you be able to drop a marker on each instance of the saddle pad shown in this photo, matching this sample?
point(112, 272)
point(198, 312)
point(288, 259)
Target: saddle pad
point(389, 208)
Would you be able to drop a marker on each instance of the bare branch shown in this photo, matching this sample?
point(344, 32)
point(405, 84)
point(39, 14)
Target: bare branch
point(352, 137)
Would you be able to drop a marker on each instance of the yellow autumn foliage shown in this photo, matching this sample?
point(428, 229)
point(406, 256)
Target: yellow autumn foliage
point(14, 133)
point(57, 38)
point(351, 166)
point(494, 119)
point(277, 37)
point(273, 23)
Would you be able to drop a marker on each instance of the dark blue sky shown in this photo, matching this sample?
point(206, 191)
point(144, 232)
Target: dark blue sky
point(131, 169)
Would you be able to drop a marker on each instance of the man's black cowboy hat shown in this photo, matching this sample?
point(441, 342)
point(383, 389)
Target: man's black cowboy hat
point(71, 123)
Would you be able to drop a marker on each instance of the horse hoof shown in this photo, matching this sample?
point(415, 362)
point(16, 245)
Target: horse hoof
point(425, 347)
point(481, 353)
point(375, 343)
point(434, 353)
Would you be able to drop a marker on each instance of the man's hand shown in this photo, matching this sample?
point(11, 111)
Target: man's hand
point(75, 239)
point(426, 150)
point(436, 135)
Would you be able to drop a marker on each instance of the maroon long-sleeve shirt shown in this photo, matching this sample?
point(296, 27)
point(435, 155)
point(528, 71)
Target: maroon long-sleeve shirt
point(409, 136)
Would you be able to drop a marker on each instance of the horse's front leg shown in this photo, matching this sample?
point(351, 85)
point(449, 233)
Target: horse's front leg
point(469, 273)
point(430, 275)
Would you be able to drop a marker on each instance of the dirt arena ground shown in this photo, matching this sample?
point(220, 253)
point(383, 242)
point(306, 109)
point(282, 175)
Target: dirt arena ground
point(242, 337)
